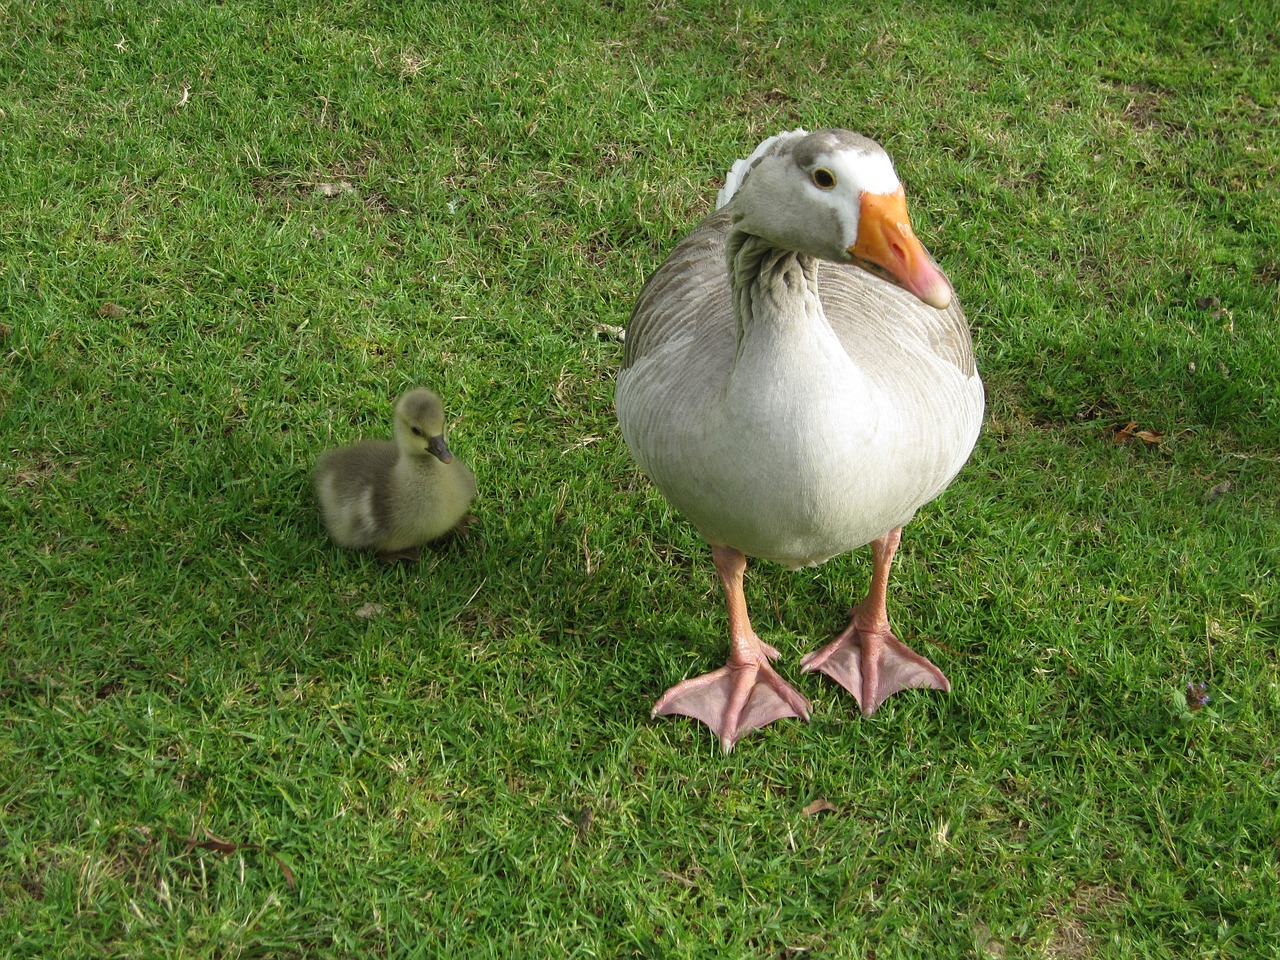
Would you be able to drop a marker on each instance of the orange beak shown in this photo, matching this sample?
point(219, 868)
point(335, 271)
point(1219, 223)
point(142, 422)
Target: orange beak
point(886, 239)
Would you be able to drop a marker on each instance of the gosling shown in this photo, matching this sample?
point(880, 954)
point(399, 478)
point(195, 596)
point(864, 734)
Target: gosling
point(394, 497)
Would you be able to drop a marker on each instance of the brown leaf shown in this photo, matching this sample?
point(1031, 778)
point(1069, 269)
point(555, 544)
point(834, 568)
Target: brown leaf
point(1130, 430)
point(819, 806)
point(214, 843)
point(219, 845)
point(284, 868)
point(583, 822)
point(1217, 491)
point(112, 310)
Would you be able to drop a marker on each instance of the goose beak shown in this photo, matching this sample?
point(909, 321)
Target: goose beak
point(439, 449)
point(885, 238)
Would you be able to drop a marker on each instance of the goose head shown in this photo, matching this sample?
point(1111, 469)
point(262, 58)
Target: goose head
point(833, 194)
point(419, 426)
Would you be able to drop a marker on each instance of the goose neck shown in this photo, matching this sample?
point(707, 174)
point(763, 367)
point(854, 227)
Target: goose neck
point(772, 288)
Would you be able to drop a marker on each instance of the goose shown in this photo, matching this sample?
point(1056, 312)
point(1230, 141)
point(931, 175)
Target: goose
point(392, 497)
point(798, 379)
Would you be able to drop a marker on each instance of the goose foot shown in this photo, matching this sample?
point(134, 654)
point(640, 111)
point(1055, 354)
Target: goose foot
point(746, 692)
point(873, 666)
point(407, 555)
point(867, 659)
point(736, 699)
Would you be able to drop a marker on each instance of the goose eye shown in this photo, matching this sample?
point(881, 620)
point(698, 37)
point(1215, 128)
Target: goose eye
point(824, 178)
point(416, 431)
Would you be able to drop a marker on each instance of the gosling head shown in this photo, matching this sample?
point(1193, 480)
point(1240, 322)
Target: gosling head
point(419, 426)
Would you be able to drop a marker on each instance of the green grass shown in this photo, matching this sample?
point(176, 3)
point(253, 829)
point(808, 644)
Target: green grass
point(298, 210)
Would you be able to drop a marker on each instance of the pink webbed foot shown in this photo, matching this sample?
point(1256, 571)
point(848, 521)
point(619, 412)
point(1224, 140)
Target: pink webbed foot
point(867, 659)
point(737, 698)
point(873, 666)
point(746, 692)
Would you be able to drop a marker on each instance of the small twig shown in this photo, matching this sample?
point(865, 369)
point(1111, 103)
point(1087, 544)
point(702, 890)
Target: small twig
point(218, 845)
point(677, 878)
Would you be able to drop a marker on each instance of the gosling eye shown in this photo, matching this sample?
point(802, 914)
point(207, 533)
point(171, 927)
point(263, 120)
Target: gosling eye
point(416, 431)
point(823, 178)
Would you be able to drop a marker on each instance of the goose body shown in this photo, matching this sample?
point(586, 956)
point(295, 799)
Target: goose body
point(392, 497)
point(798, 381)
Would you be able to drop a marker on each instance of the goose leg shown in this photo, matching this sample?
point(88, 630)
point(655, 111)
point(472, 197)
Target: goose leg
point(867, 659)
point(746, 692)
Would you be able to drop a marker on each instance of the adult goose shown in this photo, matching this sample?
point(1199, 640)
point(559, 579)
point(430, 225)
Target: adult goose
point(798, 380)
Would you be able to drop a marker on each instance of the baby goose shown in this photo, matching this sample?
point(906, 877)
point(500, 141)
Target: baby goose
point(394, 497)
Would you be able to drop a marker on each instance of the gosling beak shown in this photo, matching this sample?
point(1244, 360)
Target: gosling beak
point(885, 238)
point(437, 447)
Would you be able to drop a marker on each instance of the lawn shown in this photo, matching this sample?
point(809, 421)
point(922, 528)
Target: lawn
point(232, 234)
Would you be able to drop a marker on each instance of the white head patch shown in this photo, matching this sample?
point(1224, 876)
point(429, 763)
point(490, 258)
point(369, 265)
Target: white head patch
point(875, 172)
point(858, 159)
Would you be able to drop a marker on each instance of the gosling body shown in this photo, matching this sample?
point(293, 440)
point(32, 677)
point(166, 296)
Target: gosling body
point(394, 496)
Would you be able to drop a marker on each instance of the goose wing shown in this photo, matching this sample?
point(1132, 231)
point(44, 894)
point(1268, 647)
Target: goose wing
point(687, 299)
